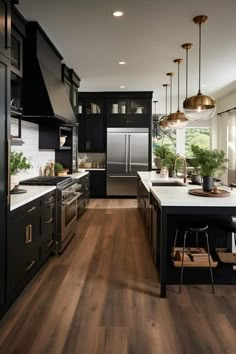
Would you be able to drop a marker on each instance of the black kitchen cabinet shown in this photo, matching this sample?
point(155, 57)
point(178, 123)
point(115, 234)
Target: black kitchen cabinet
point(72, 83)
point(4, 192)
point(92, 122)
point(129, 109)
point(85, 194)
point(31, 236)
point(92, 133)
point(97, 183)
point(5, 28)
point(22, 247)
point(48, 224)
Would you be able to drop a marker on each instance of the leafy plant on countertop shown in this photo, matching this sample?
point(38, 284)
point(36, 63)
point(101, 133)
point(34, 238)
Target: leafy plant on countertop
point(18, 163)
point(212, 163)
point(58, 167)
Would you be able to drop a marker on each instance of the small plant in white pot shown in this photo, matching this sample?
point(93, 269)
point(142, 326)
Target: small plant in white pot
point(18, 163)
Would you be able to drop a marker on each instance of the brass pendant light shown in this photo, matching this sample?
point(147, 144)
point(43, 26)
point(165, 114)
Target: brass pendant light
point(199, 107)
point(177, 120)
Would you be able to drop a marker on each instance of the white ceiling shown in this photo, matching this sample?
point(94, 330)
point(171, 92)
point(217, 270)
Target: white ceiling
point(148, 37)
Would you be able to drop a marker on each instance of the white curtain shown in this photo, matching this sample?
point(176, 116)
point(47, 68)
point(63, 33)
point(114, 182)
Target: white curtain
point(231, 146)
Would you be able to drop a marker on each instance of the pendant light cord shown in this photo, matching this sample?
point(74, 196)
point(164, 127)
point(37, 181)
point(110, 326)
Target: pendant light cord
point(200, 54)
point(178, 87)
point(170, 94)
point(166, 100)
point(186, 74)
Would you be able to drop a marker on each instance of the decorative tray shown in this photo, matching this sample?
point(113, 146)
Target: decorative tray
point(193, 257)
point(201, 193)
point(225, 256)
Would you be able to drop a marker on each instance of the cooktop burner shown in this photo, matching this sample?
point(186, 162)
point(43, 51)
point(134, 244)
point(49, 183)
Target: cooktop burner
point(46, 181)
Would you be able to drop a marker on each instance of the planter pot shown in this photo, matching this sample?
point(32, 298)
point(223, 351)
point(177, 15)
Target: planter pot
point(14, 181)
point(197, 179)
point(172, 173)
point(207, 183)
point(164, 172)
point(157, 161)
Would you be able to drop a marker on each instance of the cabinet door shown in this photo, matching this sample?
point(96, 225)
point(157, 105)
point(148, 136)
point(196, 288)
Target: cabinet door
point(4, 110)
point(16, 52)
point(92, 137)
point(95, 134)
point(97, 184)
point(22, 249)
point(5, 27)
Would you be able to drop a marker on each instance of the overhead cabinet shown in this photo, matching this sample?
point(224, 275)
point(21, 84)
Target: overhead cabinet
point(5, 27)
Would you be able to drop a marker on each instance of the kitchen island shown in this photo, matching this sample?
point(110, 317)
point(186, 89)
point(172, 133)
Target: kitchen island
point(174, 203)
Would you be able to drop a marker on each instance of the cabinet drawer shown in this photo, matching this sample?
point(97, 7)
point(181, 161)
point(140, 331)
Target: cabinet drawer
point(20, 270)
point(48, 220)
point(47, 245)
point(28, 209)
point(50, 198)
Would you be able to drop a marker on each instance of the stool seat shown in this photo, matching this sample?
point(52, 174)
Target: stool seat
point(197, 228)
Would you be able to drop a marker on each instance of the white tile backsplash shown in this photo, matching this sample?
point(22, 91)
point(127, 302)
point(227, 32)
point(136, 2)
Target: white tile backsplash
point(30, 148)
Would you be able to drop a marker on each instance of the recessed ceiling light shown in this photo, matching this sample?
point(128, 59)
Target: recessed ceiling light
point(122, 86)
point(118, 13)
point(203, 85)
point(122, 62)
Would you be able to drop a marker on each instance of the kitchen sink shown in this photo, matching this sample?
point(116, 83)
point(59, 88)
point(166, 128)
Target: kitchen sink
point(168, 184)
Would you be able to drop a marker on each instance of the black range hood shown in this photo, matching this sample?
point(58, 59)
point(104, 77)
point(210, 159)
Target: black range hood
point(45, 99)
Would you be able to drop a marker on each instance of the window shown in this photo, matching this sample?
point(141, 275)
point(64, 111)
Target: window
point(196, 136)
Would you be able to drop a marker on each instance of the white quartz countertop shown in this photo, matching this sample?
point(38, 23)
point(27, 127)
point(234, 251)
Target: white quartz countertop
point(179, 196)
point(32, 192)
point(78, 175)
point(148, 177)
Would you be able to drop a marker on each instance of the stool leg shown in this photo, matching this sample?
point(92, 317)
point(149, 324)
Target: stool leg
point(176, 235)
point(197, 239)
point(182, 265)
point(209, 258)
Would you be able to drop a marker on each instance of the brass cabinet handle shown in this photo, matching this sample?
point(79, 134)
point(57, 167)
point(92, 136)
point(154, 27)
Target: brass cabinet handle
point(28, 234)
point(29, 211)
point(49, 221)
point(31, 232)
point(50, 199)
point(49, 243)
point(30, 265)
point(27, 237)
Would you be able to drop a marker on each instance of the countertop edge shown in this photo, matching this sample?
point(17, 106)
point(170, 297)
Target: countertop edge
point(29, 198)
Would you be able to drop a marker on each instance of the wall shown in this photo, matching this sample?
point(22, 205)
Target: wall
point(30, 136)
point(220, 129)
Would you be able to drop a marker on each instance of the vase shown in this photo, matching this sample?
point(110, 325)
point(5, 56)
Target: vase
point(207, 183)
point(164, 172)
point(196, 179)
point(14, 181)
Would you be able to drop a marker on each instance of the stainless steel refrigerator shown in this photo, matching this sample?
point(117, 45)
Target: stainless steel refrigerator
point(127, 153)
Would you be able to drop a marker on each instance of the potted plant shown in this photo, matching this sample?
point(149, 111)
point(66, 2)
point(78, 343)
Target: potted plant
point(60, 170)
point(211, 164)
point(160, 152)
point(18, 163)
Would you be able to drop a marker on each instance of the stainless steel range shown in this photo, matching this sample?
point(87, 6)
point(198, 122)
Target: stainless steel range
point(67, 191)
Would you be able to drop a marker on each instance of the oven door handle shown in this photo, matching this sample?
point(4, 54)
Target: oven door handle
point(72, 200)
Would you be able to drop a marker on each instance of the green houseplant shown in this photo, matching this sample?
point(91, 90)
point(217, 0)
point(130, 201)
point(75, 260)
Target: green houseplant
point(18, 163)
point(212, 163)
point(58, 168)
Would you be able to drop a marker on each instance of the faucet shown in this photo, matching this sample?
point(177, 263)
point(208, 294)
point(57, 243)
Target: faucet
point(185, 166)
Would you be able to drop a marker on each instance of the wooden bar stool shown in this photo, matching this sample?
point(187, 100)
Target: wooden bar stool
point(198, 230)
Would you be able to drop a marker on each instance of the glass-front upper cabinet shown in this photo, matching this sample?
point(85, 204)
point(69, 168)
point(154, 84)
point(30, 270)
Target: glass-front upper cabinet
point(131, 111)
point(89, 106)
point(5, 27)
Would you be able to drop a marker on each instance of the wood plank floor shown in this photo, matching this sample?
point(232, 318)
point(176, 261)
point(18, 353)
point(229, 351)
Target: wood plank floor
point(101, 296)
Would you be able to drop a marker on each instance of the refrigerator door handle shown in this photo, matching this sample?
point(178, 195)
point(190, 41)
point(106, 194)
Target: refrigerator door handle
point(130, 153)
point(126, 155)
